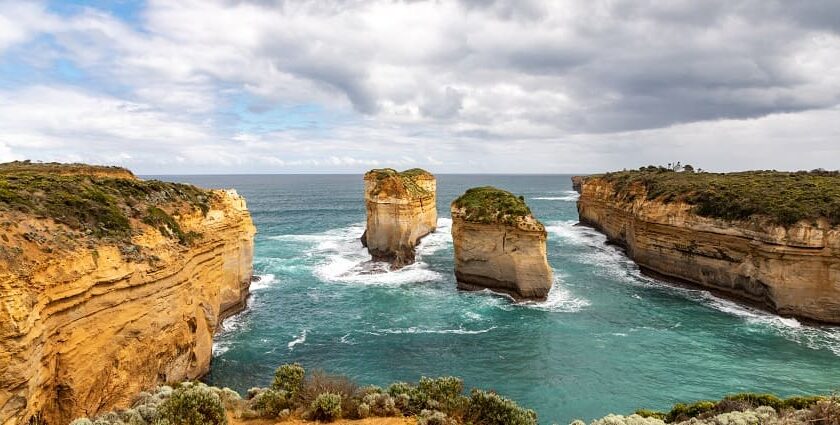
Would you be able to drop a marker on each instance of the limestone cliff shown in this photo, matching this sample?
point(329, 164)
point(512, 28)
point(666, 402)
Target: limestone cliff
point(401, 209)
point(788, 269)
point(109, 285)
point(499, 245)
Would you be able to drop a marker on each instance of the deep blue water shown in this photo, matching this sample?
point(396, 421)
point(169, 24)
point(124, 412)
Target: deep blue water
point(607, 340)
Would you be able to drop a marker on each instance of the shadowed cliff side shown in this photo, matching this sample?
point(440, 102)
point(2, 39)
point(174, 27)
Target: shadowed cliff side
point(769, 238)
point(401, 210)
point(110, 285)
point(499, 245)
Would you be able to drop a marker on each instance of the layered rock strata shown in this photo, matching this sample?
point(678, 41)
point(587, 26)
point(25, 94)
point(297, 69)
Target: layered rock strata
point(401, 209)
point(120, 289)
point(499, 245)
point(790, 270)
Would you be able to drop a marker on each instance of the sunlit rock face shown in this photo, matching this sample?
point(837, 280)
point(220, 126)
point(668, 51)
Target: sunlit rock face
point(86, 323)
point(499, 245)
point(401, 210)
point(793, 270)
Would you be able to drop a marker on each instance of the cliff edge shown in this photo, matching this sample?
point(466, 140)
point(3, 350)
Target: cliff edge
point(110, 285)
point(499, 245)
point(769, 238)
point(401, 209)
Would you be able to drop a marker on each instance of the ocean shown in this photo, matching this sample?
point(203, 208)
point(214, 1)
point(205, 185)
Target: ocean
point(608, 339)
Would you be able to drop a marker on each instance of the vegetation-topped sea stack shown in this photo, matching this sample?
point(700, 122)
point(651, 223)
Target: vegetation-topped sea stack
point(109, 285)
point(401, 210)
point(499, 245)
point(771, 238)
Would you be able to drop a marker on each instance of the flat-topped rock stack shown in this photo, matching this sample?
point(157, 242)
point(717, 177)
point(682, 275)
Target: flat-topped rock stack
point(401, 210)
point(499, 245)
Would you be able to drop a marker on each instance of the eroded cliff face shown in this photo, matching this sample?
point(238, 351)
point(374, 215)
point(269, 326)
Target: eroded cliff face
point(793, 271)
point(85, 324)
point(502, 257)
point(401, 210)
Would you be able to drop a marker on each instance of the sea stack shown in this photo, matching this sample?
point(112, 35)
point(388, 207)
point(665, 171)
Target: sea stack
point(499, 245)
point(401, 210)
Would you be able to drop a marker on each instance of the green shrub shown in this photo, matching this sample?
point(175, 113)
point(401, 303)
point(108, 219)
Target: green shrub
point(319, 382)
point(381, 405)
point(647, 413)
point(801, 402)
point(488, 408)
point(289, 378)
point(682, 411)
point(269, 403)
point(756, 400)
point(193, 405)
point(82, 421)
point(488, 204)
point(434, 417)
point(443, 393)
point(326, 407)
point(363, 411)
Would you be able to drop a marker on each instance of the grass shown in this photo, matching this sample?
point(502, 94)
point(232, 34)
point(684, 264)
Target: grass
point(488, 204)
point(399, 182)
point(94, 203)
point(784, 197)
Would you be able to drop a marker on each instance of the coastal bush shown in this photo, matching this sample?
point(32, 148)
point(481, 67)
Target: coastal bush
point(682, 411)
point(363, 411)
point(647, 413)
point(193, 405)
point(320, 382)
point(326, 407)
point(627, 420)
point(82, 421)
point(488, 204)
point(269, 403)
point(289, 378)
point(488, 408)
point(434, 417)
point(380, 404)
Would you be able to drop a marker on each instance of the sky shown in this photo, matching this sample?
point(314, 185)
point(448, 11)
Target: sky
point(469, 86)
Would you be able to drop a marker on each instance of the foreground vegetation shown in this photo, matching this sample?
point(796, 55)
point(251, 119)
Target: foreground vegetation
point(295, 394)
point(318, 396)
point(488, 204)
point(100, 202)
point(783, 197)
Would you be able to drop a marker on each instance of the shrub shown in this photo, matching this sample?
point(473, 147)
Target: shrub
point(82, 421)
point(326, 407)
point(363, 411)
point(193, 405)
point(627, 420)
point(380, 405)
point(825, 412)
point(647, 413)
point(269, 403)
point(289, 378)
point(444, 391)
point(682, 411)
point(487, 408)
point(319, 383)
point(488, 204)
point(434, 417)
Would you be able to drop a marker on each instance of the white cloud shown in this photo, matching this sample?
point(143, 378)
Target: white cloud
point(537, 86)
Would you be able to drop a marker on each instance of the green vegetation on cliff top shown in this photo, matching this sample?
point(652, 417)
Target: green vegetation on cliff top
point(783, 197)
point(97, 201)
point(488, 204)
point(398, 182)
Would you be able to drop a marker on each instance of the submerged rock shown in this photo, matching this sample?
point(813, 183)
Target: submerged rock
point(499, 245)
point(401, 210)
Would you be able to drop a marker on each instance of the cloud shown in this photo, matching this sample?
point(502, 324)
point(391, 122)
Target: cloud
point(460, 85)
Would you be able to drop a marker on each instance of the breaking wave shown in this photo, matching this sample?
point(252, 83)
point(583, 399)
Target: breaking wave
point(569, 196)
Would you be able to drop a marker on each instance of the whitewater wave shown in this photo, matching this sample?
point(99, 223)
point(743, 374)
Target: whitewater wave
point(613, 263)
point(569, 196)
point(559, 300)
point(219, 348)
point(419, 330)
point(265, 280)
point(300, 339)
point(344, 259)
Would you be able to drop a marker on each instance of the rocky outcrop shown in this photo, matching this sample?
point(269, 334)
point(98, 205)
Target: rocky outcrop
point(791, 270)
point(89, 319)
point(499, 245)
point(401, 209)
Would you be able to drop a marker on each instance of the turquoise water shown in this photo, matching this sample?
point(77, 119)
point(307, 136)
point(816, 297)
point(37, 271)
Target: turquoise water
point(607, 340)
